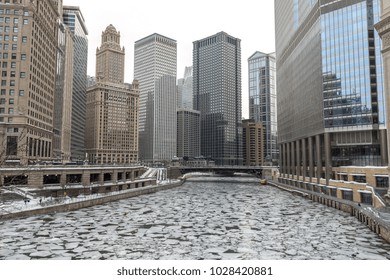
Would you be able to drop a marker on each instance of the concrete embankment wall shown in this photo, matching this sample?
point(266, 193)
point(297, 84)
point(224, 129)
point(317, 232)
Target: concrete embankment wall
point(370, 218)
point(90, 202)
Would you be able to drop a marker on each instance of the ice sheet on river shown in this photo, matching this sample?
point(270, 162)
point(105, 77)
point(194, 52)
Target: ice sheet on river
point(200, 220)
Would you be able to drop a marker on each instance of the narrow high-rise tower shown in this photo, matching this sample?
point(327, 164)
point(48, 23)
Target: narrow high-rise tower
point(112, 107)
point(74, 20)
point(155, 59)
point(262, 101)
point(217, 95)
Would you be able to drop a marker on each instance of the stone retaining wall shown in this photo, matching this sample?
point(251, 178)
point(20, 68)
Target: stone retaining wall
point(90, 202)
point(375, 223)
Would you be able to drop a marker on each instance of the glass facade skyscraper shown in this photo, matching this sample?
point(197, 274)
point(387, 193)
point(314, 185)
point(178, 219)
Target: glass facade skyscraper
point(330, 86)
point(262, 101)
point(217, 95)
point(74, 19)
point(184, 93)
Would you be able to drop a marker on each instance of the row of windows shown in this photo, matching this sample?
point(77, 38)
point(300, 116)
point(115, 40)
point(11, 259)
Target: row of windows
point(14, 20)
point(12, 74)
point(11, 92)
point(10, 111)
point(13, 56)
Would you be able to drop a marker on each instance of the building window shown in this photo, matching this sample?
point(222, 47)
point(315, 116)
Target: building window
point(25, 21)
point(24, 39)
point(22, 74)
point(11, 101)
point(12, 145)
point(13, 64)
point(2, 91)
point(2, 110)
point(11, 111)
point(11, 92)
point(382, 182)
point(21, 92)
point(12, 83)
point(359, 178)
point(23, 56)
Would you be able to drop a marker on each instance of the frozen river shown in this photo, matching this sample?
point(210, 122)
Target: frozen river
point(200, 220)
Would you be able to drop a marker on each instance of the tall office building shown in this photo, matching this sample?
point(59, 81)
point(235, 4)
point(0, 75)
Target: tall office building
point(252, 140)
point(28, 74)
point(383, 28)
point(62, 118)
point(330, 87)
point(184, 93)
point(262, 101)
point(112, 107)
point(155, 59)
point(217, 95)
point(74, 20)
point(188, 133)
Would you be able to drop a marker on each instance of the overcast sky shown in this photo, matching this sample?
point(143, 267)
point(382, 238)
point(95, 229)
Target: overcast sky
point(252, 21)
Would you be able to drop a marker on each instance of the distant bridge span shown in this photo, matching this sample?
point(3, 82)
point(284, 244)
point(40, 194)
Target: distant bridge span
point(224, 169)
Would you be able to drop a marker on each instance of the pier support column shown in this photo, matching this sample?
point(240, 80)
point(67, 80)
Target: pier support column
point(293, 163)
point(101, 178)
point(86, 178)
point(304, 163)
point(311, 159)
point(288, 161)
point(318, 158)
point(281, 160)
point(328, 158)
point(298, 161)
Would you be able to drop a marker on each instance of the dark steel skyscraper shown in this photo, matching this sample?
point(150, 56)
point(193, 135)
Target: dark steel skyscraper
point(217, 95)
point(330, 86)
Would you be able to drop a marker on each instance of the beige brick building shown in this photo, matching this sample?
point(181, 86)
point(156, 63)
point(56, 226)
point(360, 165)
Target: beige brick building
point(112, 107)
point(253, 144)
point(28, 45)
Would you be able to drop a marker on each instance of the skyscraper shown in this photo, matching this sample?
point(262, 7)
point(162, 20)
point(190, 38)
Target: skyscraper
point(330, 87)
point(74, 19)
point(262, 101)
point(112, 107)
point(253, 148)
point(62, 118)
point(217, 95)
point(28, 61)
point(383, 28)
point(188, 133)
point(184, 94)
point(155, 59)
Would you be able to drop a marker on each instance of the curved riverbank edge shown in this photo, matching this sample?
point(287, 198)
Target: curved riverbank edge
point(366, 215)
point(90, 202)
